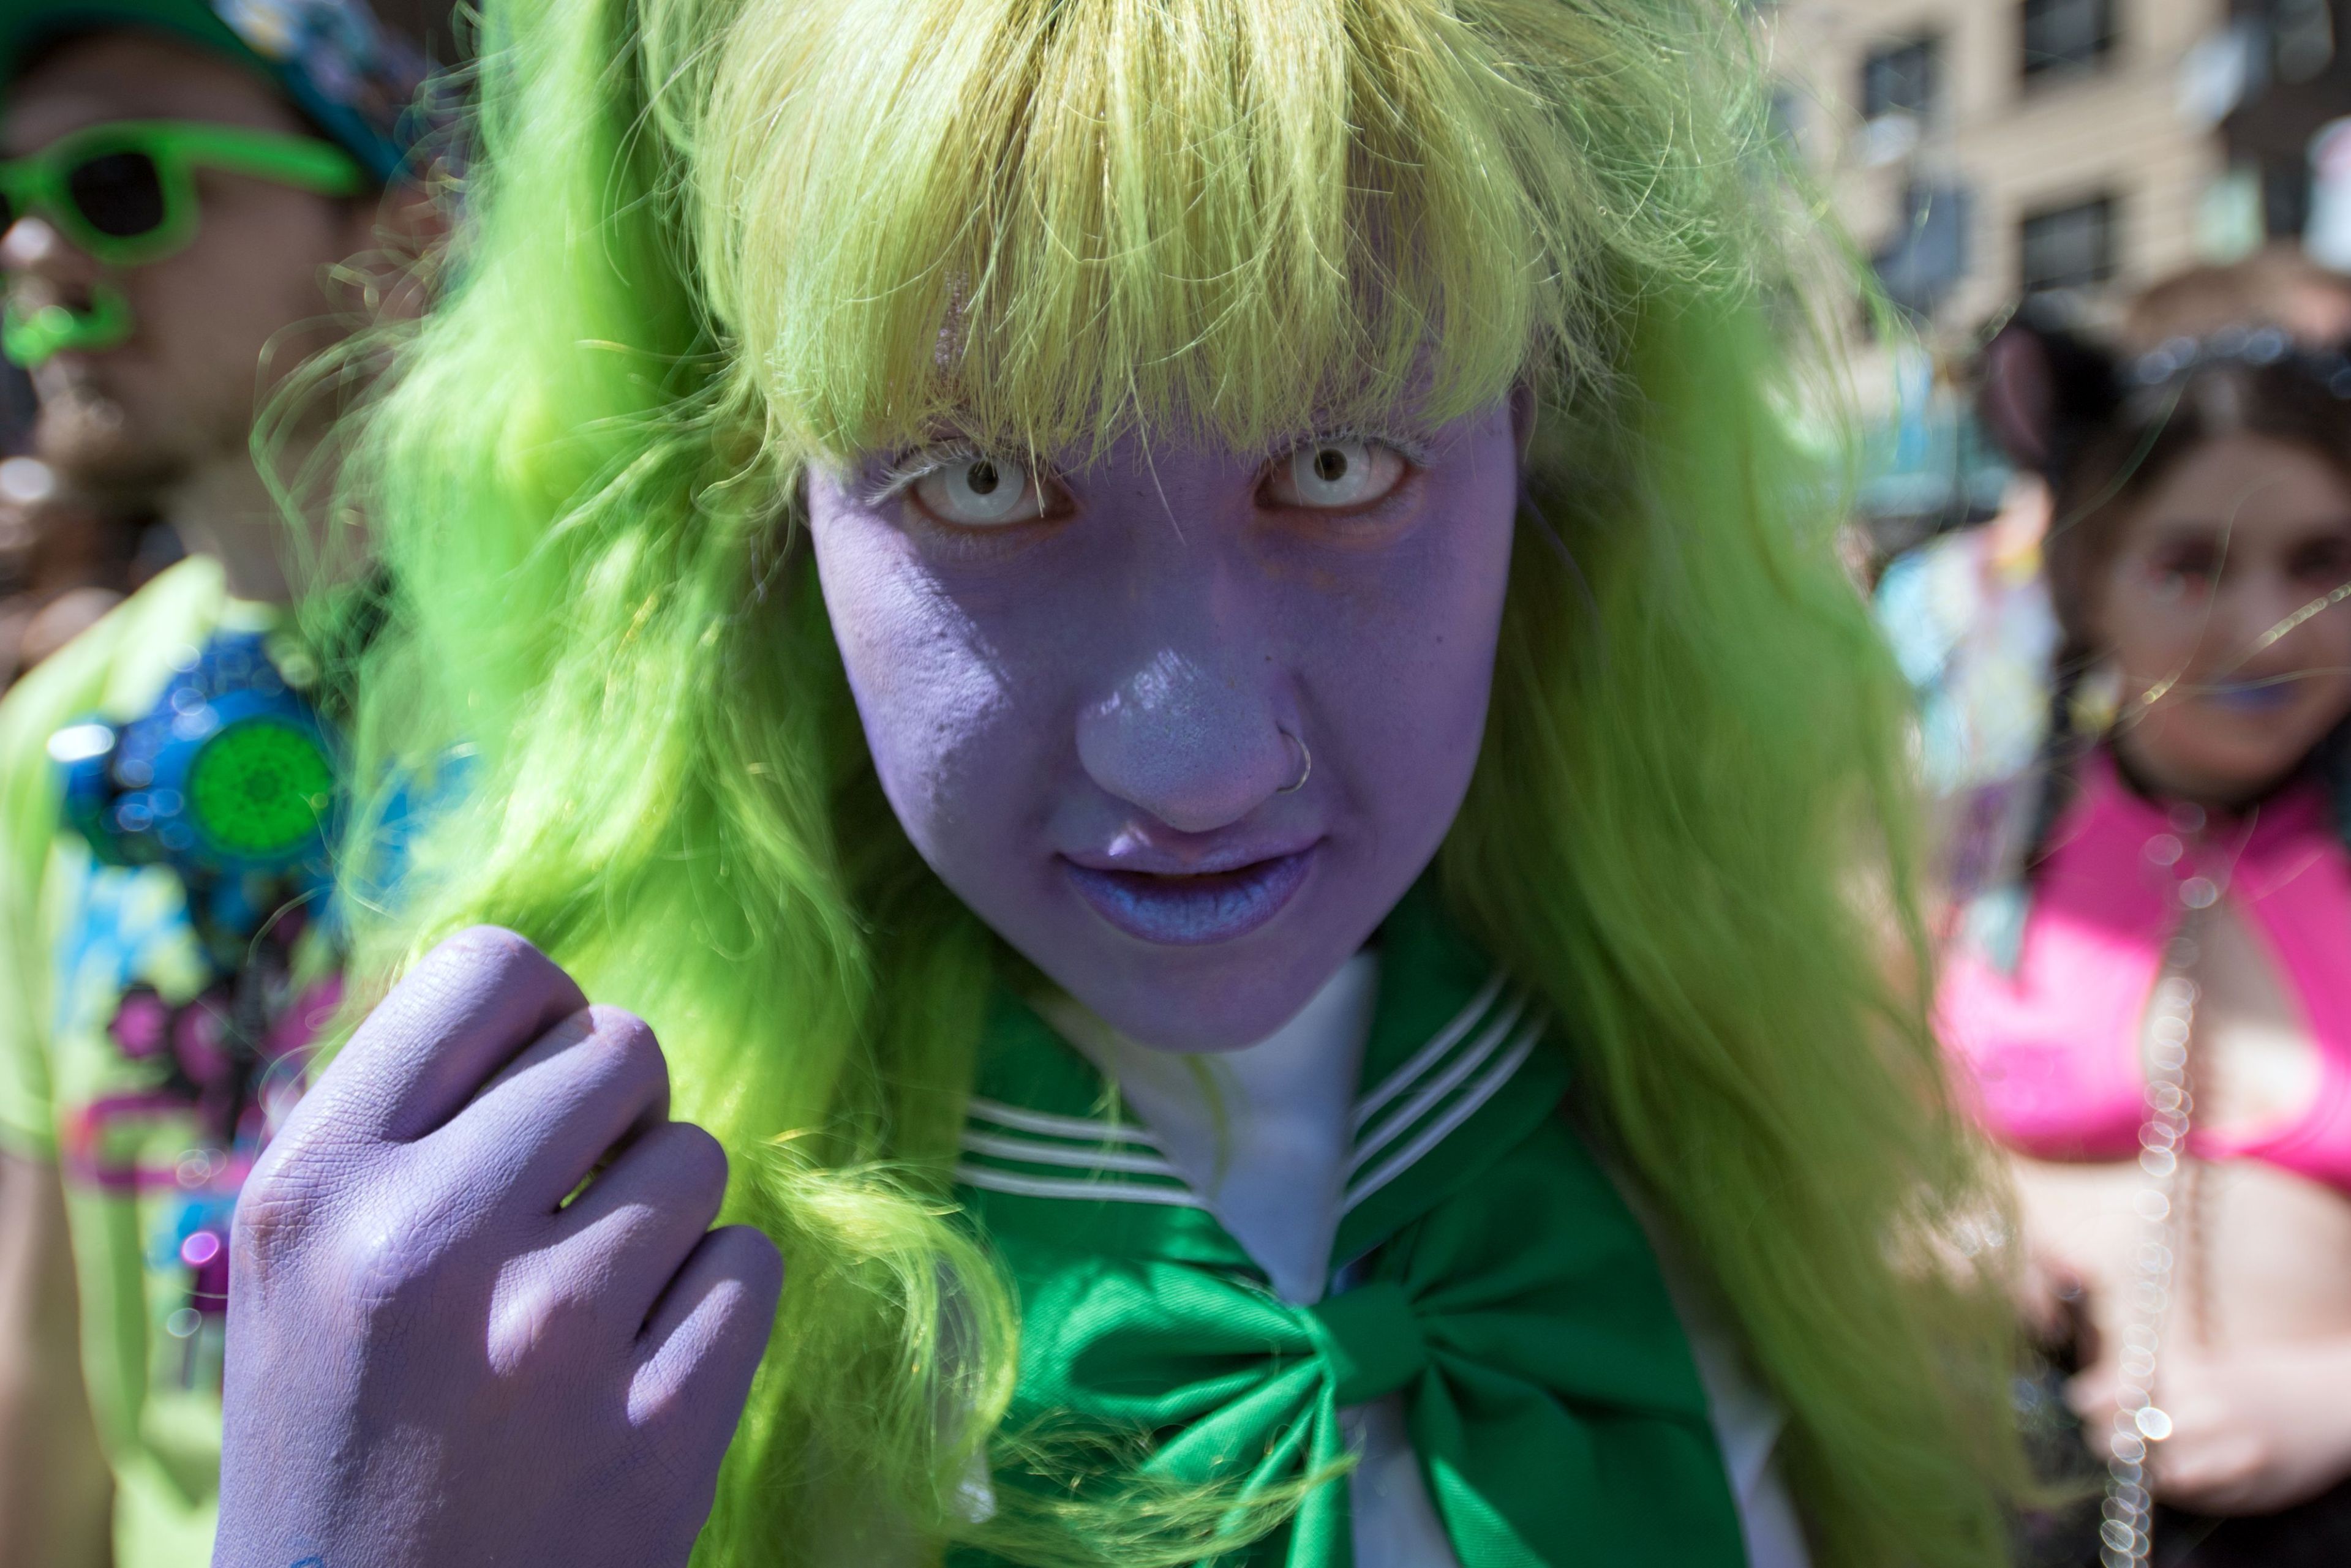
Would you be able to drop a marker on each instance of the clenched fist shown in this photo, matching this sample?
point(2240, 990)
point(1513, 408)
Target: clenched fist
point(444, 1349)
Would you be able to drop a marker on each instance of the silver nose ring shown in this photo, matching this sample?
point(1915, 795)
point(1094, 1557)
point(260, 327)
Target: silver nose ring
point(1305, 766)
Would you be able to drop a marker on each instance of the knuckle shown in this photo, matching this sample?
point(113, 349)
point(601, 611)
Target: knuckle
point(547, 1318)
point(293, 1192)
point(388, 1263)
point(368, 1255)
point(273, 1219)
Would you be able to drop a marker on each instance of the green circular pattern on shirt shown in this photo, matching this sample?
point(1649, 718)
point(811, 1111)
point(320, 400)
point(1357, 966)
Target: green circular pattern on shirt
point(260, 787)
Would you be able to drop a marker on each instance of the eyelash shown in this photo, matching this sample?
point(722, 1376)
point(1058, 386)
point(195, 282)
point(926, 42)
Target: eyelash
point(909, 468)
point(1416, 455)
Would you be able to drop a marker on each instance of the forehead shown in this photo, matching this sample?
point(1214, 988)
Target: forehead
point(133, 74)
point(2253, 485)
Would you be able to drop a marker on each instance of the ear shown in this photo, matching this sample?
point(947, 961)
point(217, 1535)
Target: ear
point(2041, 387)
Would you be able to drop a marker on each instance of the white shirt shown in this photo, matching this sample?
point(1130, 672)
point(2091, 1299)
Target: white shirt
point(1262, 1136)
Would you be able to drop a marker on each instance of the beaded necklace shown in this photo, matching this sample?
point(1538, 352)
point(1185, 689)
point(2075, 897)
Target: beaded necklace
point(2126, 1533)
point(2167, 1208)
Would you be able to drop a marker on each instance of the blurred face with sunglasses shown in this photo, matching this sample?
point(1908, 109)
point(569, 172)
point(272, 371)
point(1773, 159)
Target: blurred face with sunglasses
point(171, 224)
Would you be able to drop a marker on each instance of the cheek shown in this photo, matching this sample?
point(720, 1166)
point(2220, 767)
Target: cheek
point(258, 266)
point(2330, 640)
point(937, 706)
point(2151, 632)
point(2327, 656)
point(1409, 683)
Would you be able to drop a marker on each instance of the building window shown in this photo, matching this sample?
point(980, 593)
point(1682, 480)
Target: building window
point(1900, 78)
point(2067, 247)
point(2063, 37)
point(1927, 258)
point(2285, 196)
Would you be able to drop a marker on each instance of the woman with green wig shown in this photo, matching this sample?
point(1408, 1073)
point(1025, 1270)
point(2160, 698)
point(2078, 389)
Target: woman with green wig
point(1170, 654)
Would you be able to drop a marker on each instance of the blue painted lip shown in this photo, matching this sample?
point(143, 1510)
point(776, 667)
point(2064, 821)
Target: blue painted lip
point(1193, 911)
point(2252, 697)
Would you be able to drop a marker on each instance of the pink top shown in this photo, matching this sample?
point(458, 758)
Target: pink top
point(2053, 1049)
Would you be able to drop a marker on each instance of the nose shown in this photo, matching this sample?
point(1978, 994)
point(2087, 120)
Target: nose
point(32, 247)
point(1192, 737)
point(2268, 624)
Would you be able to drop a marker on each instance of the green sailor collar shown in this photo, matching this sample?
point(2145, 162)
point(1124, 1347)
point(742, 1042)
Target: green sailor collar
point(1488, 1271)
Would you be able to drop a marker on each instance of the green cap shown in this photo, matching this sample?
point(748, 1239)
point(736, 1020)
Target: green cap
point(354, 78)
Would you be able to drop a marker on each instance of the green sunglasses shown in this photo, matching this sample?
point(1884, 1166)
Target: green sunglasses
point(125, 193)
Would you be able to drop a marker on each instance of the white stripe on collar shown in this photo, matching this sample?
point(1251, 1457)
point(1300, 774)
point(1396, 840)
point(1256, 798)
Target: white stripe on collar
point(1425, 1097)
point(1415, 1107)
point(996, 1180)
point(1445, 1039)
point(1087, 1128)
point(1522, 1047)
point(1035, 1153)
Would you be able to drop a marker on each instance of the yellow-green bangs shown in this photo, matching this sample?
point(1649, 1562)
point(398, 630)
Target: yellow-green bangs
point(1052, 217)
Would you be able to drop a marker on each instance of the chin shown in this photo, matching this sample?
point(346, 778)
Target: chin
point(1197, 997)
point(2238, 773)
point(2264, 774)
point(1196, 1024)
point(2265, 755)
point(1197, 1000)
point(98, 447)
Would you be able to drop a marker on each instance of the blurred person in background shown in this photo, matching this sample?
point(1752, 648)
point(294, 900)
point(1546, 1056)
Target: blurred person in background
point(2154, 1011)
point(63, 562)
point(1969, 613)
point(66, 559)
point(180, 179)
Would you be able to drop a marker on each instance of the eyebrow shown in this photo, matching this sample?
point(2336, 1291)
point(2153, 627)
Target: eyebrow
point(62, 116)
point(2206, 530)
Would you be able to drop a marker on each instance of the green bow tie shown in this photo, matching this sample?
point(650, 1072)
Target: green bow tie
point(1495, 1279)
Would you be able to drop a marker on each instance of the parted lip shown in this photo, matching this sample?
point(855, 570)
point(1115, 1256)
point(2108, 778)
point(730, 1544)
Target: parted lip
point(2257, 694)
point(1216, 900)
point(1152, 859)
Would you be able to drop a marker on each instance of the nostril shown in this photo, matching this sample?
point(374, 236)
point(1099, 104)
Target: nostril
point(1197, 751)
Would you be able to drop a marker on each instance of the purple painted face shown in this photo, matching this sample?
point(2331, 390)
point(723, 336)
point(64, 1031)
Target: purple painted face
point(1092, 694)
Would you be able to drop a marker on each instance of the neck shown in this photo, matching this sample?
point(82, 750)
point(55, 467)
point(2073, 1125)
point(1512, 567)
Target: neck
point(1261, 1133)
point(2223, 797)
point(226, 510)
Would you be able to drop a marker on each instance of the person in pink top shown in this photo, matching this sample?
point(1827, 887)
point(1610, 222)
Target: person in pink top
point(2154, 1019)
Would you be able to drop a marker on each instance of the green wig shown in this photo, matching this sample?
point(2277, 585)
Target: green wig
point(711, 242)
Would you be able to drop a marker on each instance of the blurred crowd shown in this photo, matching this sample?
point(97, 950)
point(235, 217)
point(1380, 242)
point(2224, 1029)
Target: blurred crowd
point(67, 555)
point(2134, 692)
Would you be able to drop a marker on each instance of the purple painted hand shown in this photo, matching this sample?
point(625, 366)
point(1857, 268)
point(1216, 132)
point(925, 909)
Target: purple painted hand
point(433, 1358)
